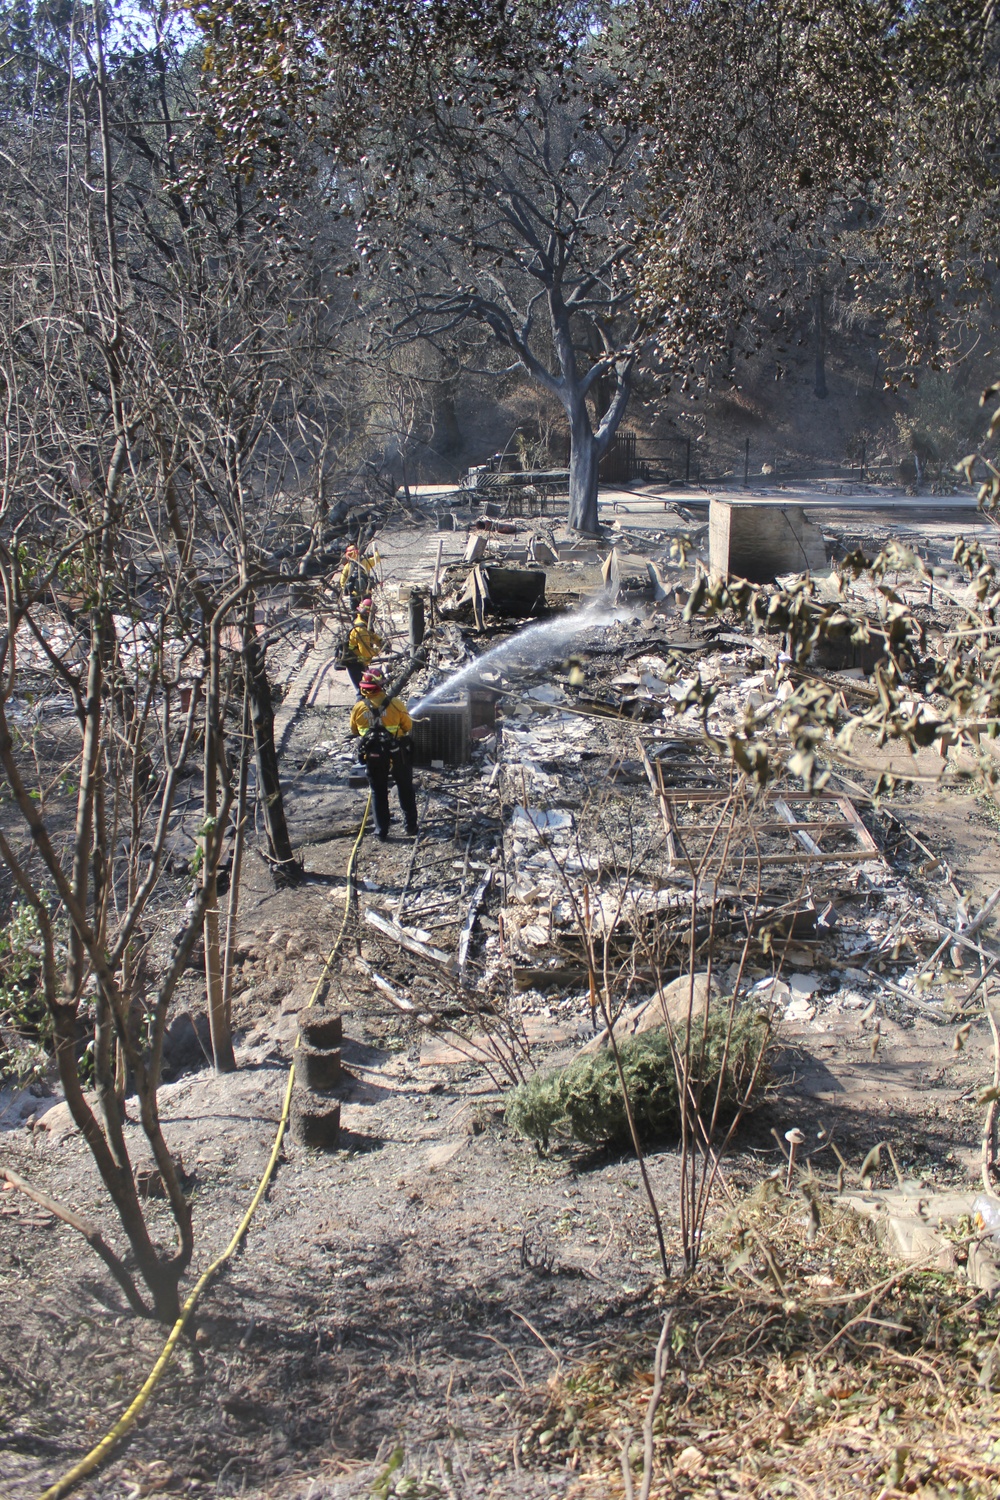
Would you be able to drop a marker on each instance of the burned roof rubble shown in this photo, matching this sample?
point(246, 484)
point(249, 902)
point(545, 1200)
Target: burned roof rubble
point(604, 823)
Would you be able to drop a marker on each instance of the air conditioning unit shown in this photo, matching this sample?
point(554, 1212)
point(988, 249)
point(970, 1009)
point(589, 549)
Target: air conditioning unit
point(442, 732)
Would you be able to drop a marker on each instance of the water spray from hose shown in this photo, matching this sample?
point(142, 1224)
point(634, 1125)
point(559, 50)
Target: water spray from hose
point(530, 647)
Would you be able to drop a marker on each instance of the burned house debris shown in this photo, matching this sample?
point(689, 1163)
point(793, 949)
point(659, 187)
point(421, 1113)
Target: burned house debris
point(600, 822)
point(617, 879)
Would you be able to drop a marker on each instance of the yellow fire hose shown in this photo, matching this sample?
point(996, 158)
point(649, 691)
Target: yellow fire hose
point(130, 1415)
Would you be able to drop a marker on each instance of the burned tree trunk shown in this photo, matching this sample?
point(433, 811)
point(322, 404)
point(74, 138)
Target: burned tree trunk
point(584, 461)
point(587, 445)
point(287, 869)
point(116, 1176)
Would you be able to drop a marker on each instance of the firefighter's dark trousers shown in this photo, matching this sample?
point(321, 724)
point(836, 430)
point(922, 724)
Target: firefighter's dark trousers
point(398, 765)
point(355, 671)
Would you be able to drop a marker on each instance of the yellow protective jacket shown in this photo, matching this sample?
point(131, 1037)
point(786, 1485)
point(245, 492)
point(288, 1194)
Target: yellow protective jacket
point(363, 644)
point(361, 569)
point(393, 715)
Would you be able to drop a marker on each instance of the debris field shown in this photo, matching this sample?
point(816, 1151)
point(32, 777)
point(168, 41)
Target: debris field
point(433, 1282)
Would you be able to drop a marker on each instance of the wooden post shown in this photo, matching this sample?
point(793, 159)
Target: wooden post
point(222, 1041)
point(434, 585)
point(237, 859)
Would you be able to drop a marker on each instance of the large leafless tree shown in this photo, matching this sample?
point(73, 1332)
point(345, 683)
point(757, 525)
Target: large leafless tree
point(519, 219)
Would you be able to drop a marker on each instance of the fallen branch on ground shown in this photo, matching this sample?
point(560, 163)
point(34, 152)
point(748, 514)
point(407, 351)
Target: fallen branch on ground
point(91, 1234)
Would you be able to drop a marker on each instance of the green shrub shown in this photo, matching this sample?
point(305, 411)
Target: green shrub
point(25, 1026)
point(584, 1099)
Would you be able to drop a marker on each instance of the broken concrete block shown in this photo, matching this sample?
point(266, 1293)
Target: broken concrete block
point(678, 1002)
point(906, 1237)
point(759, 541)
point(315, 1120)
point(680, 999)
point(297, 998)
point(542, 553)
point(440, 1156)
point(21, 1106)
point(319, 1028)
point(58, 1122)
point(476, 548)
point(982, 1268)
point(284, 1027)
point(539, 821)
point(772, 991)
point(320, 1066)
point(908, 1224)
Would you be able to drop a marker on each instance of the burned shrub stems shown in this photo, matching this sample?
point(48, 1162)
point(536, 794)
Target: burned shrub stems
point(716, 1055)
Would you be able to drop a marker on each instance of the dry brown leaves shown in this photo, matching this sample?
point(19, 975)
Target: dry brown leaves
point(857, 1378)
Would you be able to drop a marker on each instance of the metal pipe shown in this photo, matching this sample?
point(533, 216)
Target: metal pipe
point(417, 621)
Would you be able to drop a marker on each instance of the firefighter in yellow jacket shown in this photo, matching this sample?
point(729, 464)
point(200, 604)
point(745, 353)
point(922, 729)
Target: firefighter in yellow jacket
point(356, 575)
point(363, 644)
point(384, 726)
